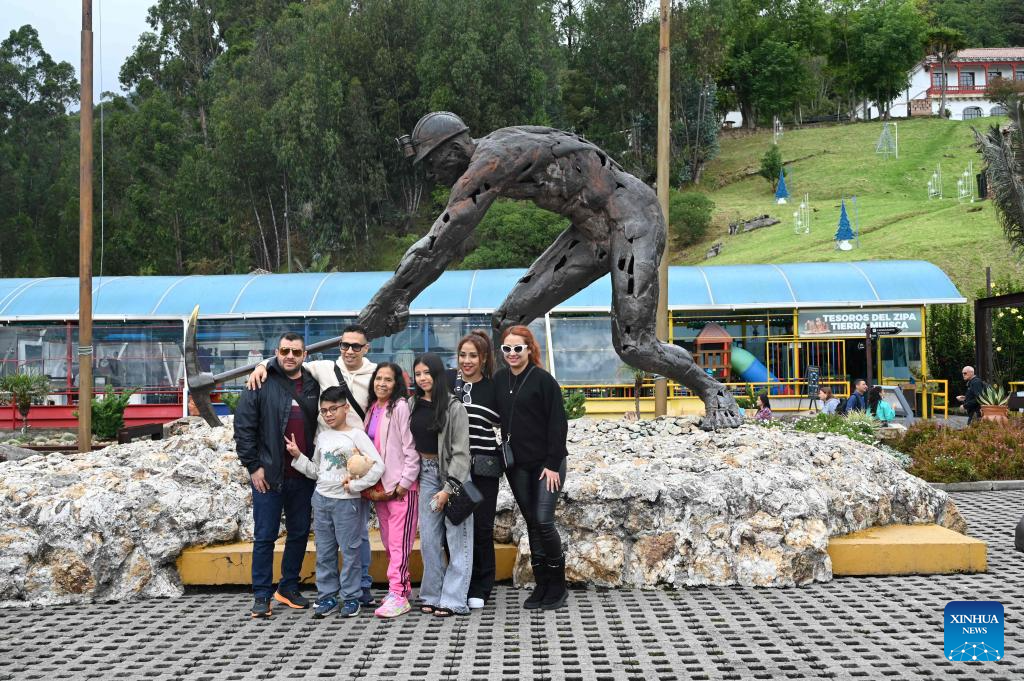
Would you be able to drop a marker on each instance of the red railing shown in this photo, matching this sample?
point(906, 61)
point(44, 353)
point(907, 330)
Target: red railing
point(936, 90)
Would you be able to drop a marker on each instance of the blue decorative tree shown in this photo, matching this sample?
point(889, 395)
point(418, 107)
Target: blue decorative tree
point(781, 193)
point(844, 235)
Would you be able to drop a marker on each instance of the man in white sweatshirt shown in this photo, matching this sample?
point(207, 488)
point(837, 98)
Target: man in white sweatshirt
point(355, 370)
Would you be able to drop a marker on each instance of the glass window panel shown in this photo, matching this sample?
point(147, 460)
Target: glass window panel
point(901, 358)
point(584, 353)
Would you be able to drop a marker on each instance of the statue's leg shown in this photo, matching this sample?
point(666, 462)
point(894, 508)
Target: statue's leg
point(634, 269)
point(570, 264)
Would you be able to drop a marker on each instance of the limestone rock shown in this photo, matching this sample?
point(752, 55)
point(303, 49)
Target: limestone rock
point(751, 506)
point(110, 524)
point(13, 453)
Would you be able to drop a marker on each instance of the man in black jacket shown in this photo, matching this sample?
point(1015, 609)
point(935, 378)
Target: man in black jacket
point(975, 386)
point(284, 407)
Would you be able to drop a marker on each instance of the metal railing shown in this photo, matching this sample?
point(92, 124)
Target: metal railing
point(776, 390)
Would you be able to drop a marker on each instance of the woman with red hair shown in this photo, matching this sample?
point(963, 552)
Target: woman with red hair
point(534, 429)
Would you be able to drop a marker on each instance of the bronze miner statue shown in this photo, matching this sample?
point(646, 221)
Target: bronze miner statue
point(617, 227)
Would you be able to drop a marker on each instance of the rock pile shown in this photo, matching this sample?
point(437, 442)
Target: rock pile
point(652, 503)
point(662, 503)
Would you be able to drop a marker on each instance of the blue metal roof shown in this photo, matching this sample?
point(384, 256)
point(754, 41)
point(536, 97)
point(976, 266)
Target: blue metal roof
point(852, 284)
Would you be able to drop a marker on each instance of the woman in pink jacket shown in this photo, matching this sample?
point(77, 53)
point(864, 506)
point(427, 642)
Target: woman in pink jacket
point(395, 497)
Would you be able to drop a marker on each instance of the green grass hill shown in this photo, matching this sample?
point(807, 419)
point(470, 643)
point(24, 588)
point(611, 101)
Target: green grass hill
point(896, 218)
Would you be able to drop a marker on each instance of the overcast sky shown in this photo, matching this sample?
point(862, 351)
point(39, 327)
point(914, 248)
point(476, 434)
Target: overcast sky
point(116, 25)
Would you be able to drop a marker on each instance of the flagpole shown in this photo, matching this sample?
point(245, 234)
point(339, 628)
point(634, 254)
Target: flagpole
point(85, 378)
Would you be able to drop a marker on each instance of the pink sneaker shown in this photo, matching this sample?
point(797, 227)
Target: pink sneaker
point(393, 606)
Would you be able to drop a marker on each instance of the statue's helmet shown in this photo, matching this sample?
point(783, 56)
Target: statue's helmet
point(435, 129)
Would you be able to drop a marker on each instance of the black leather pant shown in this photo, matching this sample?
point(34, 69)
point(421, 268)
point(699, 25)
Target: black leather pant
point(537, 505)
point(482, 580)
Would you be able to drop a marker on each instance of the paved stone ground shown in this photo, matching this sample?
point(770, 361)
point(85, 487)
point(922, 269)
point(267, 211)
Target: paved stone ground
point(851, 628)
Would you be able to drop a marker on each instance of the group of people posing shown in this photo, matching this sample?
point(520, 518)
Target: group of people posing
point(300, 424)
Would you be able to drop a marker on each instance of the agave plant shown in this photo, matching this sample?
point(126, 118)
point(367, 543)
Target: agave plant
point(1004, 157)
point(994, 395)
point(22, 389)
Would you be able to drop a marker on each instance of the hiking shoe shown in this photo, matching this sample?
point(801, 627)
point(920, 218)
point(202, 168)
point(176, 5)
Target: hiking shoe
point(324, 607)
point(261, 608)
point(350, 609)
point(366, 598)
point(293, 599)
point(393, 606)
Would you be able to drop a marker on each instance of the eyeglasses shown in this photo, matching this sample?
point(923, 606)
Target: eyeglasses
point(517, 349)
point(465, 389)
point(331, 410)
point(295, 352)
point(355, 347)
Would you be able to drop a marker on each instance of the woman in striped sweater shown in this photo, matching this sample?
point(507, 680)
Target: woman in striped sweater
point(474, 387)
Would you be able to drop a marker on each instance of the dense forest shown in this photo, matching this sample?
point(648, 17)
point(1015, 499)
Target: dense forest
point(260, 133)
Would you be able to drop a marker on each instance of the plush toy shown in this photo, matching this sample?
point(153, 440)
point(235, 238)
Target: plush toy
point(358, 465)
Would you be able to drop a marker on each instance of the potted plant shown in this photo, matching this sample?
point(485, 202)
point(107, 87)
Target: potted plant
point(993, 402)
point(21, 390)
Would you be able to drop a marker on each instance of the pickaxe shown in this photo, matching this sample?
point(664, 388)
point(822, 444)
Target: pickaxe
point(200, 383)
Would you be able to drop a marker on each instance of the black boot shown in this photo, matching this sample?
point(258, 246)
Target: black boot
point(556, 594)
point(540, 576)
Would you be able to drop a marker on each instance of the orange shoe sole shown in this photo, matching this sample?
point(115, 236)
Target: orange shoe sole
point(284, 601)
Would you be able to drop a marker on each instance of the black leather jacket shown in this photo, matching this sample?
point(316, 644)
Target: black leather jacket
point(261, 417)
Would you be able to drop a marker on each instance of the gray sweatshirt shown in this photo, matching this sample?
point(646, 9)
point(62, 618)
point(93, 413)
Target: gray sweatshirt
point(330, 459)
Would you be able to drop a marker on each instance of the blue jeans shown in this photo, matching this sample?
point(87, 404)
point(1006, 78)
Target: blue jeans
point(366, 581)
point(293, 498)
point(443, 586)
point(339, 524)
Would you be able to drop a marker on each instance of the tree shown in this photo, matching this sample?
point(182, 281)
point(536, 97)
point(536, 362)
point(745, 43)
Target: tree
point(845, 231)
point(888, 41)
point(1004, 159)
point(771, 165)
point(950, 340)
point(689, 216)
point(943, 44)
point(1005, 91)
point(22, 390)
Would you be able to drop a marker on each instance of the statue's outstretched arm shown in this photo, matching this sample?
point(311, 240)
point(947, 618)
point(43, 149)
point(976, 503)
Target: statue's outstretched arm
point(388, 310)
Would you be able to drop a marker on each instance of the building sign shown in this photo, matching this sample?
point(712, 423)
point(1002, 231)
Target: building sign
point(849, 322)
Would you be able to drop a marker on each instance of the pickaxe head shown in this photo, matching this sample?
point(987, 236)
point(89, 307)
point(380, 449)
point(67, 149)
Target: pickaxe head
point(200, 383)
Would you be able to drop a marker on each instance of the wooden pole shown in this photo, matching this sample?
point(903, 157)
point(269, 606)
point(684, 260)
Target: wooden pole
point(85, 379)
point(661, 384)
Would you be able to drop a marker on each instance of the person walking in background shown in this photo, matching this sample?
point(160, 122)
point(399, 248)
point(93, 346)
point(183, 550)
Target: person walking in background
point(352, 370)
point(474, 387)
point(534, 426)
point(286, 407)
point(858, 398)
point(764, 408)
point(878, 407)
point(396, 498)
point(974, 386)
point(828, 402)
point(440, 429)
point(340, 514)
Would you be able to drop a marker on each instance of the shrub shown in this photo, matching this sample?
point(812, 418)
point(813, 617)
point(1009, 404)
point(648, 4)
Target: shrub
point(689, 216)
point(513, 234)
point(982, 451)
point(231, 399)
point(854, 426)
point(771, 165)
point(575, 403)
point(108, 413)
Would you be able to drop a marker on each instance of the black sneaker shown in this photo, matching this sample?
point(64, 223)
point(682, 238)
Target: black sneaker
point(366, 598)
point(261, 608)
point(293, 599)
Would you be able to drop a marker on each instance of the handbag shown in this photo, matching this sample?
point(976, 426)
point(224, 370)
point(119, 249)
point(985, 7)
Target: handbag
point(488, 465)
point(376, 493)
point(463, 500)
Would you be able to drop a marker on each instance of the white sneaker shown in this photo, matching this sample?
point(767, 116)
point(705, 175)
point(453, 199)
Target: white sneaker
point(476, 603)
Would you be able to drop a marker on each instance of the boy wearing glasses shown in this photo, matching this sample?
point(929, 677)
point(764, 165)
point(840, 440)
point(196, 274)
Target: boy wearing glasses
point(340, 514)
point(284, 408)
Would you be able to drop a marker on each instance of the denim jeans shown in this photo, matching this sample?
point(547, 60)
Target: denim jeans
point(294, 499)
point(339, 524)
point(365, 581)
point(443, 587)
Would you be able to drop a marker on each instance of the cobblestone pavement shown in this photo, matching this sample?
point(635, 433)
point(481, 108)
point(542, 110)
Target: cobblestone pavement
point(851, 628)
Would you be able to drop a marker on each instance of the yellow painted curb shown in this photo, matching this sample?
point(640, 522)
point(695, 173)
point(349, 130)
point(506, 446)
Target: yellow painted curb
point(906, 550)
point(232, 563)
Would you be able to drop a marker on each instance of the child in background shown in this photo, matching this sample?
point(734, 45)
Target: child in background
point(339, 512)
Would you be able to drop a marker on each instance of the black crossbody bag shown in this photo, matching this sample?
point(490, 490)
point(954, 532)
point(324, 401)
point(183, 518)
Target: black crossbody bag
point(463, 500)
point(483, 465)
point(506, 446)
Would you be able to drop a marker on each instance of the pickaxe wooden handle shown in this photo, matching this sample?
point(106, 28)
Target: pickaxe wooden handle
point(200, 383)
